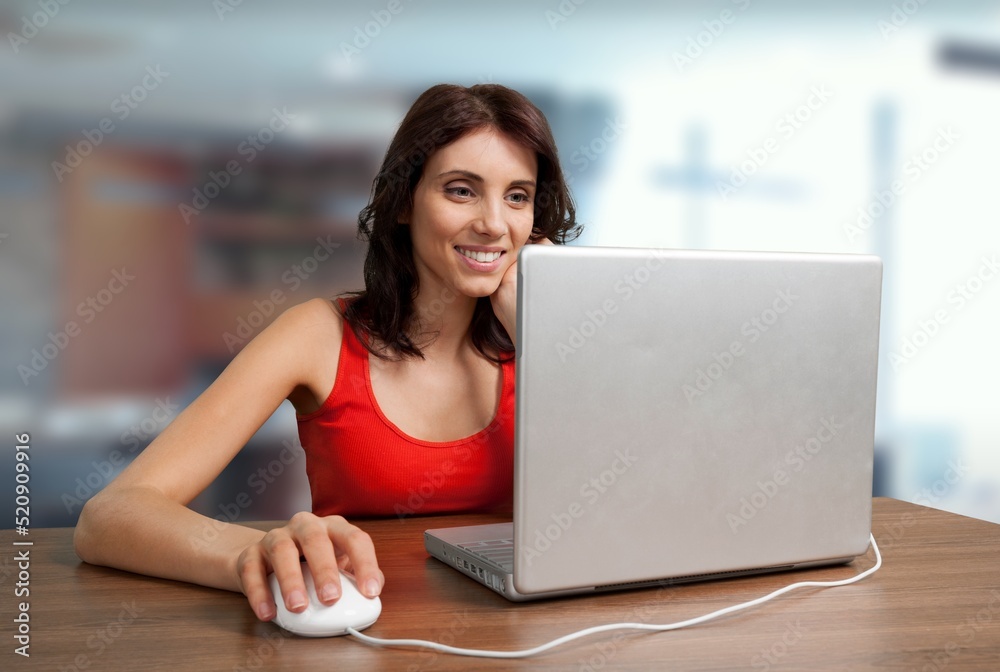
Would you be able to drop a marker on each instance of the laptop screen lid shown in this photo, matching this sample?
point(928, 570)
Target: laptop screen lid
point(691, 412)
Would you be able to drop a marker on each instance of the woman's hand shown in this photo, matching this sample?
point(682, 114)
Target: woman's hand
point(329, 545)
point(504, 299)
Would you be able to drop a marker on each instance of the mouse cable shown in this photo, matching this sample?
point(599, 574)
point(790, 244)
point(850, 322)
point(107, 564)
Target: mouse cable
point(525, 653)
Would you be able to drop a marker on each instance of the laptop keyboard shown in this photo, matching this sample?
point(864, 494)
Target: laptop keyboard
point(500, 552)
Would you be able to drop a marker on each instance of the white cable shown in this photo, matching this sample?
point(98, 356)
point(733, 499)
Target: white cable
point(525, 653)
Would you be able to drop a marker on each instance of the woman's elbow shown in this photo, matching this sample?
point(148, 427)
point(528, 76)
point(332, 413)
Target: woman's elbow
point(87, 530)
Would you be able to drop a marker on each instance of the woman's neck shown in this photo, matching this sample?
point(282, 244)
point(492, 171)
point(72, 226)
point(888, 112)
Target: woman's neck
point(442, 323)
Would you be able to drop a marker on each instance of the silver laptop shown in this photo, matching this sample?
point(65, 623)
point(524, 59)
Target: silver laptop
point(681, 416)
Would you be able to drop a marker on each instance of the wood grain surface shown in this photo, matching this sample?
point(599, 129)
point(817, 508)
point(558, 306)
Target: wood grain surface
point(934, 605)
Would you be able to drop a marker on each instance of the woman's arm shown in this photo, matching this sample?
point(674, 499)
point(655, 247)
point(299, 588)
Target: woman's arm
point(140, 521)
point(504, 299)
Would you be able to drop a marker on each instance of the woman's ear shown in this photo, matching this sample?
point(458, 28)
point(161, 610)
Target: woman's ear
point(404, 217)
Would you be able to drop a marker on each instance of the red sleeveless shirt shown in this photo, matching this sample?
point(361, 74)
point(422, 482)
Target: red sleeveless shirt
point(360, 464)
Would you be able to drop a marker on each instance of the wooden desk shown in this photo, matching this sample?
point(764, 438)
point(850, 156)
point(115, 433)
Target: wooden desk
point(934, 605)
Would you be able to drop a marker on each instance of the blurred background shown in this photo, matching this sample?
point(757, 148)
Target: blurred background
point(173, 175)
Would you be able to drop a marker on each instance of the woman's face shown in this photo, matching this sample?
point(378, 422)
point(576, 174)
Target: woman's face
point(472, 211)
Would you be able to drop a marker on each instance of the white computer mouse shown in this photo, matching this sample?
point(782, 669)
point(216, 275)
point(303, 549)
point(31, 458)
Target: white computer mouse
point(352, 610)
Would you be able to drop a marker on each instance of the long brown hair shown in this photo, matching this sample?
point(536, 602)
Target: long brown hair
point(441, 115)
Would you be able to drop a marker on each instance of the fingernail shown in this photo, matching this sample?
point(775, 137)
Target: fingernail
point(371, 588)
point(264, 611)
point(330, 592)
point(296, 599)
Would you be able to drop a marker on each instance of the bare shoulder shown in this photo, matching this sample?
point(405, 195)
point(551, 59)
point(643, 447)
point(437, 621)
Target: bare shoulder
point(294, 355)
point(314, 315)
point(300, 334)
point(316, 328)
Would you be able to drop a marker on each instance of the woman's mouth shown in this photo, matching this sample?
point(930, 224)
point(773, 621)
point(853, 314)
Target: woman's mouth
point(480, 260)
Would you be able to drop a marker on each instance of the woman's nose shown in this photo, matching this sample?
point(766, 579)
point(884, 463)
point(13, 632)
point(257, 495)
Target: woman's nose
point(490, 219)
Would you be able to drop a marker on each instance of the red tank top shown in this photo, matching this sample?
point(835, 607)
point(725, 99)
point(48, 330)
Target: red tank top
point(360, 464)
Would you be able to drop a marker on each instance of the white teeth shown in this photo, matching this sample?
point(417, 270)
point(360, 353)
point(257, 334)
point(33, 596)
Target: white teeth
point(484, 257)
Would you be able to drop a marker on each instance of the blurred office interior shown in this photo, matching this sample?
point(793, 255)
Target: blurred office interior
point(174, 175)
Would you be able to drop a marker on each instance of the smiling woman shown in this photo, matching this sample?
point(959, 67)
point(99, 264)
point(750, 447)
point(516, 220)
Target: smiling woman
point(523, 158)
point(404, 392)
point(458, 212)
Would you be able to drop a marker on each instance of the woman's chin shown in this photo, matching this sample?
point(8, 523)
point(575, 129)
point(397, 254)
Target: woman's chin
point(478, 290)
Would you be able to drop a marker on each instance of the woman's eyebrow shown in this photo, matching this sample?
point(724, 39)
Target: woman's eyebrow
point(469, 175)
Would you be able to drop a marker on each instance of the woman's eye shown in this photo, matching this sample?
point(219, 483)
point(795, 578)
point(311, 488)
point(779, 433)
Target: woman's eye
point(462, 192)
point(519, 197)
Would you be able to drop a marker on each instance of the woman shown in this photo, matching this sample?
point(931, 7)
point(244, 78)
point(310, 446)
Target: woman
point(407, 383)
